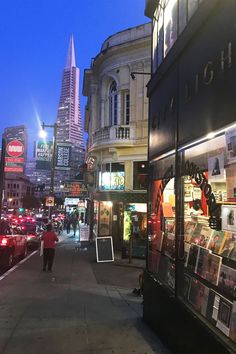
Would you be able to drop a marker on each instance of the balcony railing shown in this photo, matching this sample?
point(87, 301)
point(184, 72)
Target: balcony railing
point(115, 134)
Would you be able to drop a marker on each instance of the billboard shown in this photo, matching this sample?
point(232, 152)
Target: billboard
point(15, 155)
point(63, 156)
point(43, 154)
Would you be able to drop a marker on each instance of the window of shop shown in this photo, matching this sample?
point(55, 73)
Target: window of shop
point(161, 231)
point(208, 282)
point(169, 21)
point(140, 175)
point(112, 176)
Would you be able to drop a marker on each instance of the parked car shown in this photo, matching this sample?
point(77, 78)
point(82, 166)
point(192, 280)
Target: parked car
point(12, 245)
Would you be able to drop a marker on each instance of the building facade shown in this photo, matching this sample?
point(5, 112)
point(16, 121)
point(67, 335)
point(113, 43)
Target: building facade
point(15, 189)
point(69, 122)
point(116, 120)
point(190, 280)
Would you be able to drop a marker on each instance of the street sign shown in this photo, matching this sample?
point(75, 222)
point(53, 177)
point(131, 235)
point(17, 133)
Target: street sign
point(49, 201)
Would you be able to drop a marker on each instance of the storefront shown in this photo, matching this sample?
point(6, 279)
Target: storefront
point(122, 215)
point(190, 281)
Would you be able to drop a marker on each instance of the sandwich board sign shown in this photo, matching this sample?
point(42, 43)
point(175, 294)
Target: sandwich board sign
point(104, 249)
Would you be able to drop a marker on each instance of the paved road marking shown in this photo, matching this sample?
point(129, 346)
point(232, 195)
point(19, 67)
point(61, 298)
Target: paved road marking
point(17, 265)
point(9, 271)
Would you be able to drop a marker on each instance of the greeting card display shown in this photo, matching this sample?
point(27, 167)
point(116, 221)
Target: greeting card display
point(186, 253)
point(201, 235)
point(202, 262)
point(229, 248)
point(168, 247)
point(213, 268)
point(227, 280)
point(213, 306)
point(189, 227)
point(217, 241)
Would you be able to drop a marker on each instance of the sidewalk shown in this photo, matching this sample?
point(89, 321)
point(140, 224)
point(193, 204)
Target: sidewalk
point(83, 307)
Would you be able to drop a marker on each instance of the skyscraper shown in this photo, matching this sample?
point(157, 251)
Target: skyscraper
point(69, 120)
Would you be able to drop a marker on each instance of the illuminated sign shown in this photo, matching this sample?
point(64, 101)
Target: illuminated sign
point(112, 180)
point(14, 157)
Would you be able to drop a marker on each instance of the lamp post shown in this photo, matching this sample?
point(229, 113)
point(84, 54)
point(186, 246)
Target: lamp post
point(43, 134)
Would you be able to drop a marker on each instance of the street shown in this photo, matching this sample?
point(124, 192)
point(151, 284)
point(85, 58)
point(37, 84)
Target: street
point(82, 307)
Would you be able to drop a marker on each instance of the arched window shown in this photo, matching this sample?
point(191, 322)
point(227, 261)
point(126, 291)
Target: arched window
point(113, 103)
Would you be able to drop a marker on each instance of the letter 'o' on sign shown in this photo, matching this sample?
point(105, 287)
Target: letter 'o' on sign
point(15, 148)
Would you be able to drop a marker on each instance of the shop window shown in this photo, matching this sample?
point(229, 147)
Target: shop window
point(170, 25)
point(192, 7)
point(182, 15)
point(209, 262)
point(112, 176)
point(140, 175)
point(161, 229)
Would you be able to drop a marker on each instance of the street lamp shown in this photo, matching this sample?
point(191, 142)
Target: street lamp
point(43, 134)
point(134, 73)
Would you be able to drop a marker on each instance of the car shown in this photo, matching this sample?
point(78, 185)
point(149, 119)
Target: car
point(28, 226)
point(12, 246)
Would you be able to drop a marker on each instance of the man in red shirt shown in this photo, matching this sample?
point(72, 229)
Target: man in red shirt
point(49, 238)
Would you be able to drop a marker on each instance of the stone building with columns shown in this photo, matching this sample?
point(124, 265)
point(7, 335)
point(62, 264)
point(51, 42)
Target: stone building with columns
point(116, 120)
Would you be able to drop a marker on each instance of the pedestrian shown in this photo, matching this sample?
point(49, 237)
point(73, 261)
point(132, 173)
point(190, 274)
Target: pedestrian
point(74, 222)
point(67, 223)
point(49, 238)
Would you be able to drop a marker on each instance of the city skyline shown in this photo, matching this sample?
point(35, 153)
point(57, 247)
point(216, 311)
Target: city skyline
point(34, 42)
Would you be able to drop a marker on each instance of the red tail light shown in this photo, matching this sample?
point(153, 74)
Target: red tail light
point(4, 241)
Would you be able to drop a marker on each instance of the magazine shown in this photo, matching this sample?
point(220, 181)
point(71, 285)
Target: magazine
point(228, 249)
point(189, 227)
point(216, 241)
point(201, 235)
point(202, 262)
point(227, 280)
point(213, 268)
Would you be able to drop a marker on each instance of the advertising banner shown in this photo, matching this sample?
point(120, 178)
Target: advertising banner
point(63, 156)
point(14, 157)
point(44, 151)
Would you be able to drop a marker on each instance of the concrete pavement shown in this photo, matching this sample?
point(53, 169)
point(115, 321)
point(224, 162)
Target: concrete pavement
point(83, 307)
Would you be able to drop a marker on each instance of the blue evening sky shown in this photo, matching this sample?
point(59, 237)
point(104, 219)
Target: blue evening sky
point(34, 37)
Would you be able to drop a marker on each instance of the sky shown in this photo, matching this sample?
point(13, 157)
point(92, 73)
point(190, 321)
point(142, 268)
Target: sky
point(34, 37)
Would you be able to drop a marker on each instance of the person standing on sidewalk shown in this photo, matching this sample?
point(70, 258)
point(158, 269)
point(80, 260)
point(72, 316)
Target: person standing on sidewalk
point(49, 239)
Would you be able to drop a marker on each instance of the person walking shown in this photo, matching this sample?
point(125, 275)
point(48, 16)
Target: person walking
point(49, 239)
point(74, 222)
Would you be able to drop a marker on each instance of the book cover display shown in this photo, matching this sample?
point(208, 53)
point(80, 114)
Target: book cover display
point(213, 268)
point(202, 262)
point(201, 235)
point(216, 241)
point(227, 280)
point(229, 248)
point(189, 227)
